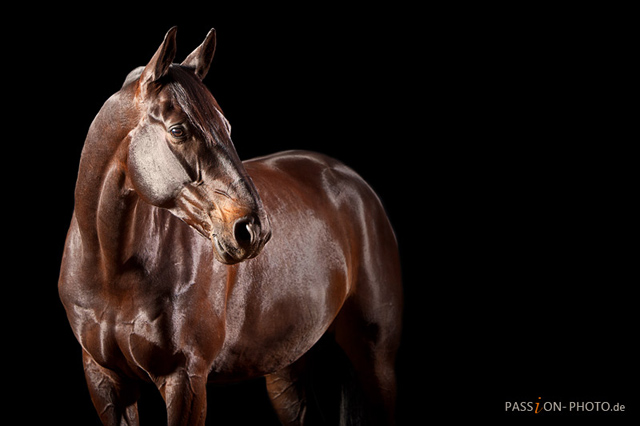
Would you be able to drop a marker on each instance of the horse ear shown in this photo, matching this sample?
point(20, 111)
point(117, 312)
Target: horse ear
point(200, 59)
point(159, 64)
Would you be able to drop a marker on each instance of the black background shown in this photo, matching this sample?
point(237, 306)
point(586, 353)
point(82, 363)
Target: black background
point(495, 139)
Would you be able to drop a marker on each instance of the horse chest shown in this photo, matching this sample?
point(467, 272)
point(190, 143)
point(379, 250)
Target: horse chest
point(118, 339)
point(148, 338)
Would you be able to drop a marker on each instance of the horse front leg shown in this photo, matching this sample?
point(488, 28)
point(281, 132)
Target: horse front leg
point(114, 397)
point(185, 395)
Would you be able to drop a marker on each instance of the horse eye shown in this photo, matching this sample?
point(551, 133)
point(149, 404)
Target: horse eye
point(178, 132)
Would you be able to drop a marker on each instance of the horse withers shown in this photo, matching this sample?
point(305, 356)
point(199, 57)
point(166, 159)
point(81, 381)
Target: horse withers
point(184, 265)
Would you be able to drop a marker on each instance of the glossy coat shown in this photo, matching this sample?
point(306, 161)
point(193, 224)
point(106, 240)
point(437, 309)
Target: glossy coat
point(184, 265)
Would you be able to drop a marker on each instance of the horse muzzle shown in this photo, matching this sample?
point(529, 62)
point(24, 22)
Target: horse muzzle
point(237, 232)
point(244, 239)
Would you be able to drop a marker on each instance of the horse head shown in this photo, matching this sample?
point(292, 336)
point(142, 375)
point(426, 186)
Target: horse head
point(181, 158)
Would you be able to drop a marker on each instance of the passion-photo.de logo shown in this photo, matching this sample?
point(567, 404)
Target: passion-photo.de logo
point(540, 406)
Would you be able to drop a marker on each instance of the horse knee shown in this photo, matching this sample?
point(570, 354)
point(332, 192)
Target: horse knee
point(185, 395)
point(114, 397)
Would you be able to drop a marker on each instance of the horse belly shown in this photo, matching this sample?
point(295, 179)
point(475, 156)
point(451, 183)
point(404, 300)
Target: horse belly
point(272, 323)
point(266, 349)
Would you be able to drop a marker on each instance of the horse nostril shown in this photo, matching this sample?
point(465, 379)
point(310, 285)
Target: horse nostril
point(243, 231)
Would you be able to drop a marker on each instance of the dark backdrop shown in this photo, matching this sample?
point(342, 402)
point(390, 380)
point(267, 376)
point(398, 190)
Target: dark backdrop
point(493, 137)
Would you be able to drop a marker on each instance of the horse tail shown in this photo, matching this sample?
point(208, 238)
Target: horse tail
point(352, 411)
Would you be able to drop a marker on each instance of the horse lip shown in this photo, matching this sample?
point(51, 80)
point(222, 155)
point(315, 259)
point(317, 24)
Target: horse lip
point(217, 246)
point(227, 257)
point(223, 255)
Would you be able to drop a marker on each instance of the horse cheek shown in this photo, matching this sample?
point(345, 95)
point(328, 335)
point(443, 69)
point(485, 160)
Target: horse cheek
point(155, 172)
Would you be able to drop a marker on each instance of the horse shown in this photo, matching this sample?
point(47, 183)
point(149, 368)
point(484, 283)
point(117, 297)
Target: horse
point(184, 266)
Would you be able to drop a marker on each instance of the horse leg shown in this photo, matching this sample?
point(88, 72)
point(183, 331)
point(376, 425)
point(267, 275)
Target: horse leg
point(287, 391)
point(185, 395)
point(114, 397)
point(370, 341)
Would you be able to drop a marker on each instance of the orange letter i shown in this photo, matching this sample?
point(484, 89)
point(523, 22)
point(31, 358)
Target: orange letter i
point(537, 404)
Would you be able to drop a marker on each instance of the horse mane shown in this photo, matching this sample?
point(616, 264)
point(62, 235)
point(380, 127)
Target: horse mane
point(133, 76)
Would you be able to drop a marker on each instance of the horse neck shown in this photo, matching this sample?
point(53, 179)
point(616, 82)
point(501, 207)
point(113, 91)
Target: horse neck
point(102, 199)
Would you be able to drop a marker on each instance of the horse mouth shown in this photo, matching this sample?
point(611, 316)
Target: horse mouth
point(222, 254)
point(228, 255)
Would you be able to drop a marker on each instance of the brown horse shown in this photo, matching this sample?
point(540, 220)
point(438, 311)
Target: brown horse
point(184, 265)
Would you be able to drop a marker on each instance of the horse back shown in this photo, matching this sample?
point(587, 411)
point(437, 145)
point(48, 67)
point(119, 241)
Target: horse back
point(328, 203)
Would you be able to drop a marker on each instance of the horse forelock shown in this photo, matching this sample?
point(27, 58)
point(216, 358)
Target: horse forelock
point(198, 104)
